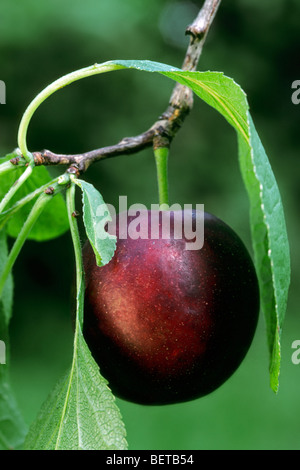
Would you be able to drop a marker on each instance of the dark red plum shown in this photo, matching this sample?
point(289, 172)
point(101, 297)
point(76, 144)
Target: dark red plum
point(167, 324)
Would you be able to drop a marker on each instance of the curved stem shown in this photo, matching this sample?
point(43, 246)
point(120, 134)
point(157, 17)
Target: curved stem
point(7, 166)
point(161, 158)
point(16, 186)
point(20, 240)
point(54, 185)
point(169, 122)
point(52, 88)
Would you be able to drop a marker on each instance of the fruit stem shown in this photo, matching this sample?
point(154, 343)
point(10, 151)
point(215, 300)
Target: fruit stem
point(161, 158)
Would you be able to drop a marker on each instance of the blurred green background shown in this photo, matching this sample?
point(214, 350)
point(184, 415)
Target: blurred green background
point(257, 44)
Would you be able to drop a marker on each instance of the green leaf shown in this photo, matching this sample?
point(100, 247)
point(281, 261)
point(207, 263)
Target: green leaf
point(12, 426)
point(52, 223)
point(80, 413)
point(270, 242)
point(7, 294)
point(95, 217)
point(268, 227)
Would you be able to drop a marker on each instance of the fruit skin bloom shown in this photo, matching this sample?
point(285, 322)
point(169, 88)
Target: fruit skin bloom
point(166, 324)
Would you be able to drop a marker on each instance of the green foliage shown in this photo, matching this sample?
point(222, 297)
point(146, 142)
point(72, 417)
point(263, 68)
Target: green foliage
point(271, 247)
point(7, 294)
point(81, 412)
point(12, 425)
point(95, 217)
point(52, 223)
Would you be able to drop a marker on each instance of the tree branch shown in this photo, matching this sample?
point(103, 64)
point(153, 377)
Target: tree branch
point(165, 128)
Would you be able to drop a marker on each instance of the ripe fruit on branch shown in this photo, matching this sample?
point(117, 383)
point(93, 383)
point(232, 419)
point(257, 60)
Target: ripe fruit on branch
point(165, 323)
